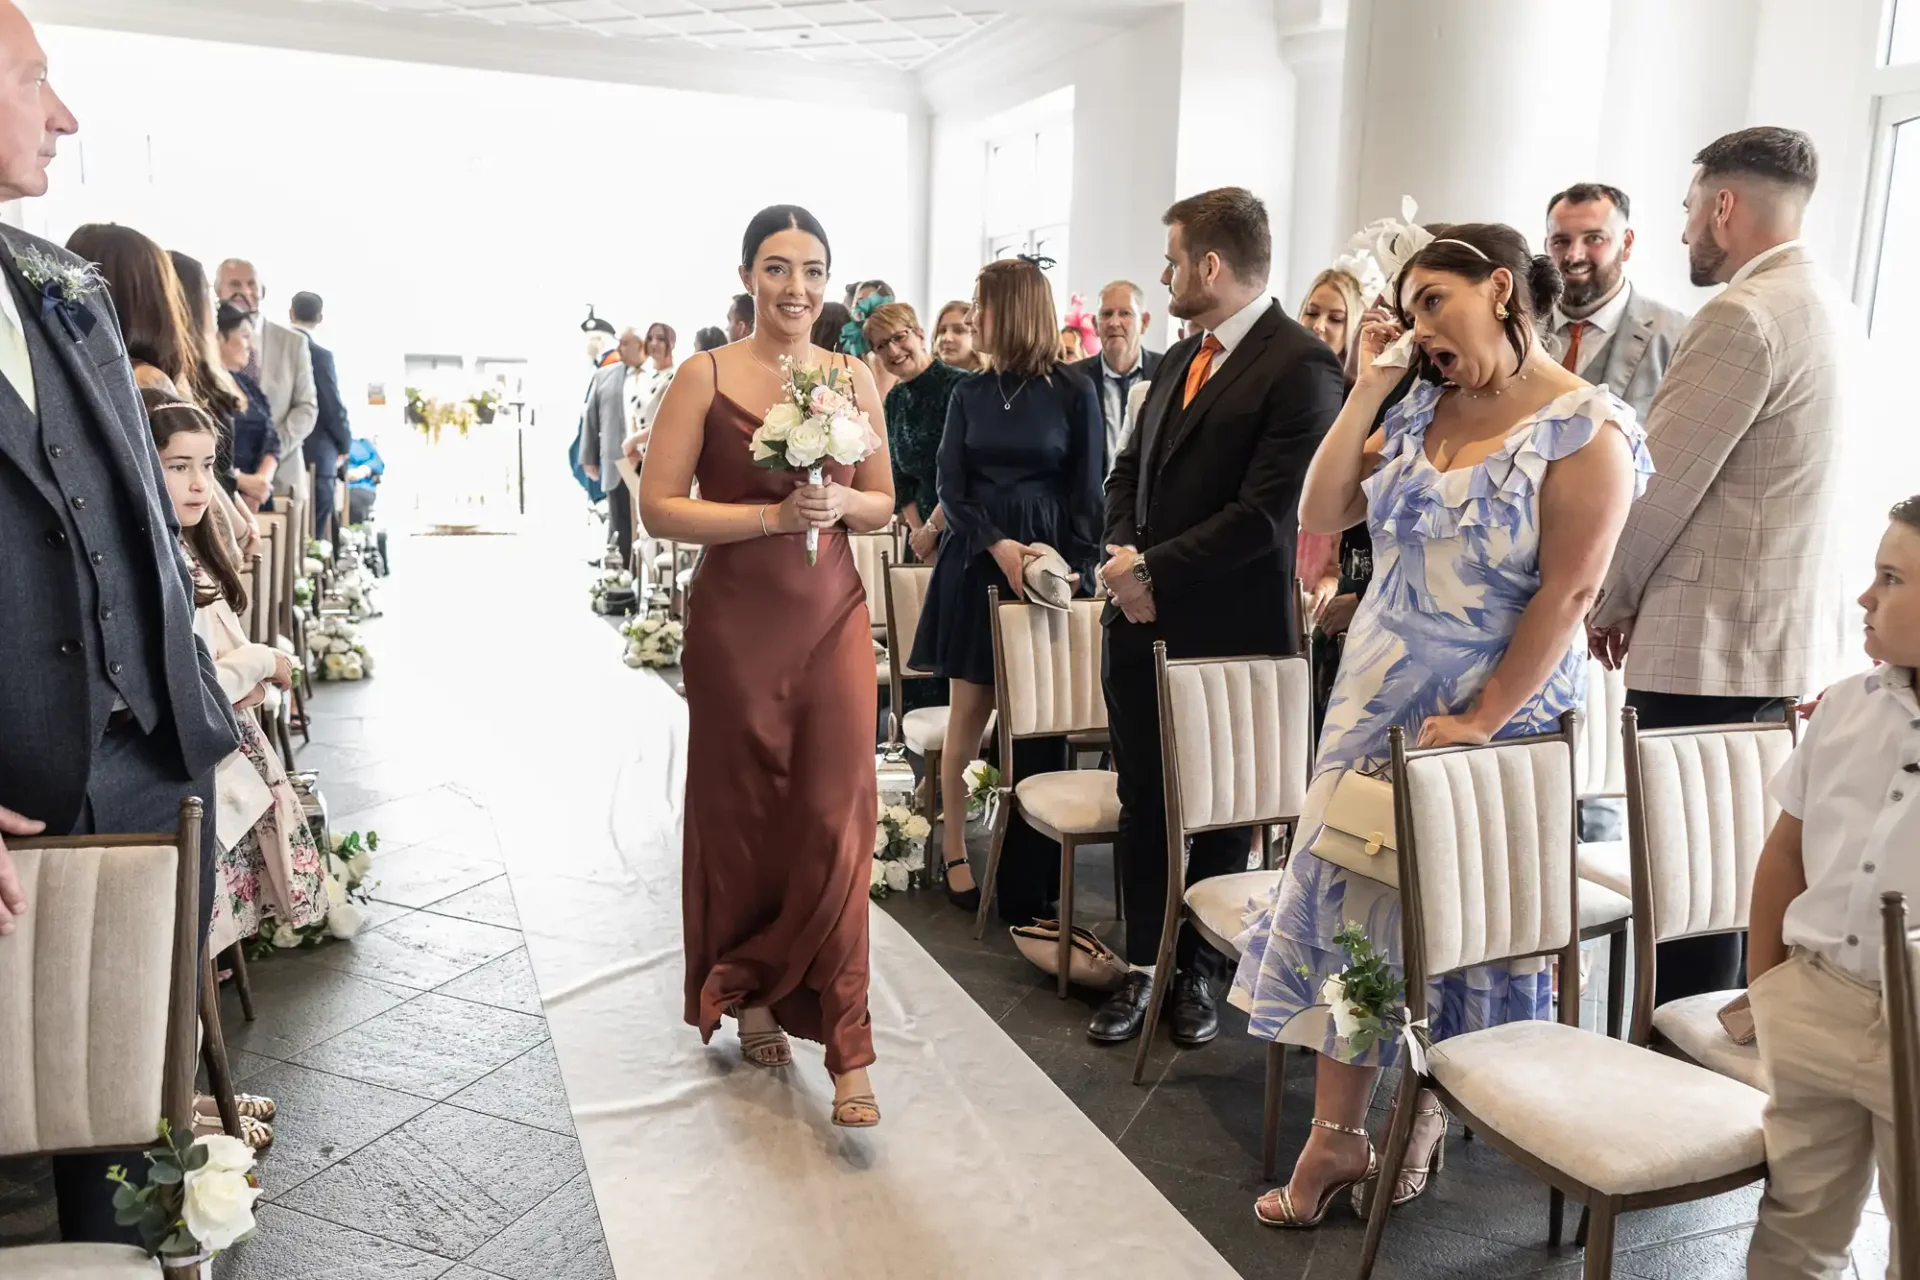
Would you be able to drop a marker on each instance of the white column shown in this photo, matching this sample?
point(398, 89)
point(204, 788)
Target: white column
point(1317, 232)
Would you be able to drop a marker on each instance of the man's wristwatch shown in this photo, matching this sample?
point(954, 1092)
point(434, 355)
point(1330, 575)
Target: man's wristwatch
point(1140, 573)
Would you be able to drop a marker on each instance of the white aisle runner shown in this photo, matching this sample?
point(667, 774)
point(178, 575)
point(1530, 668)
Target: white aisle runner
point(704, 1166)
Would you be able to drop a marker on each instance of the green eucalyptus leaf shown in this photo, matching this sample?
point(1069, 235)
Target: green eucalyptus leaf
point(164, 1173)
point(196, 1159)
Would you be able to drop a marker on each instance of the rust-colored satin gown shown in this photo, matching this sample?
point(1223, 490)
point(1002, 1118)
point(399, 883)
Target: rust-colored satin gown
point(781, 789)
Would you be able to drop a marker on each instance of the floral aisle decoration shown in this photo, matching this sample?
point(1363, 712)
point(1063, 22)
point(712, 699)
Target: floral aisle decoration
point(815, 420)
point(349, 864)
point(654, 640)
point(1366, 1001)
point(195, 1199)
point(338, 651)
point(899, 849)
point(982, 781)
point(609, 580)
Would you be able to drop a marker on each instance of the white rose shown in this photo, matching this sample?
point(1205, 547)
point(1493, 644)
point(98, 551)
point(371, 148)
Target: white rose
point(358, 866)
point(224, 1154)
point(633, 658)
point(354, 670)
point(970, 776)
point(344, 920)
point(899, 814)
point(918, 828)
point(780, 420)
point(336, 889)
point(285, 937)
point(337, 841)
point(218, 1207)
point(847, 439)
point(1333, 994)
point(336, 664)
point(897, 876)
point(876, 874)
point(879, 841)
point(806, 443)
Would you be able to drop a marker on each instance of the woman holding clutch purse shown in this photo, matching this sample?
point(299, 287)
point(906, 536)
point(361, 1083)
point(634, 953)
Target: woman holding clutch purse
point(1494, 490)
point(1020, 462)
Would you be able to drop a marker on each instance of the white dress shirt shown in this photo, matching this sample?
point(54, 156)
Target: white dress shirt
point(1235, 328)
point(1600, 327)
point(1761, 258)
point(16, 365)
point(1854, 785)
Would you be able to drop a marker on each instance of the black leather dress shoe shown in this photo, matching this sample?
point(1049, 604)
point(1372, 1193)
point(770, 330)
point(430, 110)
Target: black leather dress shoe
point(1195, 1016)
point(1125, 1011)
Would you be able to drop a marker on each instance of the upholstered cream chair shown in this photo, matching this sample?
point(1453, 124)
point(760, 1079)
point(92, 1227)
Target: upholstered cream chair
point(1607, 894)
point(1899, 962)
point(1486, 838)
point(97, 994)
point(872, 552)
point(1236, 744)
point(1698, 814)
point(1046, 667)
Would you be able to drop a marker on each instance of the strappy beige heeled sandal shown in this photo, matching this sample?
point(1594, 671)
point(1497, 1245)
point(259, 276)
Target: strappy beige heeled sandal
point(250, 1105)
point(257, 1134)
point(847, 1111)
point(1284, 1213)
point(1413, 1183)
point(764, 1048)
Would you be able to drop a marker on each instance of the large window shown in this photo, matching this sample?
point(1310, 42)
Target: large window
point(1903, 33)
point(1029, 191)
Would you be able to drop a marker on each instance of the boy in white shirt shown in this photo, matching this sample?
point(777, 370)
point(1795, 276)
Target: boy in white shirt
point(1849, 831)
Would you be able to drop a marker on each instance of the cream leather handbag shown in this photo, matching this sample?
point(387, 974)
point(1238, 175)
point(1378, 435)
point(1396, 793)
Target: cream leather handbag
point(1358, 831)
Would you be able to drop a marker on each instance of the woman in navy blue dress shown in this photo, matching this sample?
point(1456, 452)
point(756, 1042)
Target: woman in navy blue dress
point(256, 444)
point(1020, 463)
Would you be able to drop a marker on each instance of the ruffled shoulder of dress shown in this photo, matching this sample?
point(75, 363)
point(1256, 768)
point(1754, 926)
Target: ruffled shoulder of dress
point(1566, 425)
point(1406, 421)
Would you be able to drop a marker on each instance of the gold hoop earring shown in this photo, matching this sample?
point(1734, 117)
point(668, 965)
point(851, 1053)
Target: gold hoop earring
point(1500, 311)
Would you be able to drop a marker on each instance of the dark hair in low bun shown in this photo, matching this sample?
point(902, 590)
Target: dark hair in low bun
point(774, 219)
point(1474, 251)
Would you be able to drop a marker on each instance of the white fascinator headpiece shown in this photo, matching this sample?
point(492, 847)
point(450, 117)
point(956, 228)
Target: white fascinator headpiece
point(1378, 252)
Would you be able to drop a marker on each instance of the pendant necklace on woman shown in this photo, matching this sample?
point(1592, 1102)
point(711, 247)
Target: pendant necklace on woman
point(1526, 371)
point(1006, 401)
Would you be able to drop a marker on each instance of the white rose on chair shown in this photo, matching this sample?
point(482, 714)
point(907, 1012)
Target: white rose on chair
point(217, 1199)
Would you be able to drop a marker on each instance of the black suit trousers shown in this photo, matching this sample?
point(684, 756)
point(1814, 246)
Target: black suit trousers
point(1133, 719)
point(1695, 966)
point(136, 785)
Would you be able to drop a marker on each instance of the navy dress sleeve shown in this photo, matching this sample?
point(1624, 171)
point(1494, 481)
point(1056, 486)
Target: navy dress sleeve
point(970, 529)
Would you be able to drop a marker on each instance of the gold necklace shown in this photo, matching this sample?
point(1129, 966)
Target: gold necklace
point(764, 365)
point(1526, 372)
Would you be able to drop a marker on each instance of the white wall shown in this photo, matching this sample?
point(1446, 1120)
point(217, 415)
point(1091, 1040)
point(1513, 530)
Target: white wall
point(1316, 230)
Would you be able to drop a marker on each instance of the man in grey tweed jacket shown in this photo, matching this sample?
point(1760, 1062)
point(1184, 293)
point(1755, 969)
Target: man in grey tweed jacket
point(1720, 587)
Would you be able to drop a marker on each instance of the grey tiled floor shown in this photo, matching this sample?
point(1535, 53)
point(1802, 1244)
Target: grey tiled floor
point(1193, 1128)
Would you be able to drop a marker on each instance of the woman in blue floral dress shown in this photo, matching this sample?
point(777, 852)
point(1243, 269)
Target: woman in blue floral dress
point(1494, 492)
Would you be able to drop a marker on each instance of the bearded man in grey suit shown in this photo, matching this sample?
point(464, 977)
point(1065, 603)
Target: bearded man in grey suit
point(1720, 597)
point(1604, 328)
point(110, 713)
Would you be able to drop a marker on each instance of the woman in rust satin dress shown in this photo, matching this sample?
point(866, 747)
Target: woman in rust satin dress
point(781, 699)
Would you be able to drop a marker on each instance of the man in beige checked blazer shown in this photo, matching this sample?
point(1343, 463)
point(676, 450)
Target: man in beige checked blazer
point(1716, 596)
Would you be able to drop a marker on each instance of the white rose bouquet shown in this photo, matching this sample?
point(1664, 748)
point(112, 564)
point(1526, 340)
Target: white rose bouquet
point(653, 641)
point(816, 419)
point(1366, 1001)
point(196, 1199)
point(899, 849)
point(338, 651)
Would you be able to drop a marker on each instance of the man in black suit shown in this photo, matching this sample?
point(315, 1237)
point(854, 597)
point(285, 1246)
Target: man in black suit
point(326, 449)
point(1122, 362)
point(1201, 519)
point(110, 713)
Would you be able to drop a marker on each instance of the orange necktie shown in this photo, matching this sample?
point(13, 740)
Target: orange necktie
point(1202, 365)
point(1572, 362)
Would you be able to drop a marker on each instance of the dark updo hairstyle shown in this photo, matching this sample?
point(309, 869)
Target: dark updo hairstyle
point(830, 328)
point(1474, 251)
point(774, 219)
point(167, 417)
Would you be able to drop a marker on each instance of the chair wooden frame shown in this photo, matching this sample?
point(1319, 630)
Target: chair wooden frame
point(189, 966)
point(898, 673)
point(1604, 1209)
point(1003, 813)
point(1897, 986)
point(1178, 831)
point(1645, 946)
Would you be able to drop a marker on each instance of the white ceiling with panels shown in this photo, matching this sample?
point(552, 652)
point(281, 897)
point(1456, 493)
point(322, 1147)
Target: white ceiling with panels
point(900, 34)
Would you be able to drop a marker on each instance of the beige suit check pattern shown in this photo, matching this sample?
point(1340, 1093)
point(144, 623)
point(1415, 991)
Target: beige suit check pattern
point(1724, 562)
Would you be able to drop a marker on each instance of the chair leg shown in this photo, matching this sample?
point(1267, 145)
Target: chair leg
point(1119, 886)
point(1270, 1112)
point(934, 811)
point(1616, 982)
point(1067, 849)
point(1000, 820)
point(1399, 1134)
point(213, 1049)
point(1586, 1222)
point(1162, 979)
point(235, 958)
point(1556, 1216)
point(1266, 847)
point(1599, 1265)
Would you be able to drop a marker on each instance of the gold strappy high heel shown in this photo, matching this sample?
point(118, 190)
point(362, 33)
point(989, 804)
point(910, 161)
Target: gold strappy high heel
point(846, 1111)
point(764, 1048)
point(1282, 1198)
point(1412, 1183)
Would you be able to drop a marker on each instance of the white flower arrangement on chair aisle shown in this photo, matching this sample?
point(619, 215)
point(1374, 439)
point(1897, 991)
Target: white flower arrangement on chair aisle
point(339, 652)
point(653, 641)
point(815, 419)
point(347, 862)
point(195, 1199)
point(982, 782)
point(1366, 1001)
point(607, 581)
point(899, 849)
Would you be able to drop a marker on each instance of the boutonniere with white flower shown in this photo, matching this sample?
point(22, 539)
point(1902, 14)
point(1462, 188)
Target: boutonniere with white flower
point(815, 419)
point(195, 1200)
point(63, 287)
point(899, 849)
point(1366, 1001)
